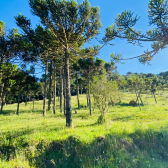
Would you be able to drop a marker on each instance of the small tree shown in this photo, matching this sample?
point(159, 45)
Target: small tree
point(89, 68)
point(136, 84)
point(104, 93)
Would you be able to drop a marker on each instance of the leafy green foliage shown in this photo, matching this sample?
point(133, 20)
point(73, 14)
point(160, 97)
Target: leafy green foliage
point(8, 73)
point(10, 44)
point(136, 83)
point(104, 93)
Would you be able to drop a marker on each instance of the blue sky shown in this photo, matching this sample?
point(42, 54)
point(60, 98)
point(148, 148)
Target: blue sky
point(109, 10)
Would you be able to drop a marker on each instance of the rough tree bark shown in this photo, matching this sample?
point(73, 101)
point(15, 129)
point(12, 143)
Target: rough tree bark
point(2, 84)
point(58, 95)
point(61, 90)
point(18, 103)
point(2, 103)
point(45, 91)
point(64, 90)
point(87, 97)
point(68, 91)
point(81, 90)
point(77, 90)
point(55, 92)
point(50, 87)
point(90, 103)
point(1, 91)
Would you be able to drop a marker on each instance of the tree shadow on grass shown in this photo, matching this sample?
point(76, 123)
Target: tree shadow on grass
point(81, 108)
point(88, 125)
point(127, 118)
point(8, 112)
point(109, 151)
point(126, 105)
point(8, 146)
point(11, 112)
point(114, 150)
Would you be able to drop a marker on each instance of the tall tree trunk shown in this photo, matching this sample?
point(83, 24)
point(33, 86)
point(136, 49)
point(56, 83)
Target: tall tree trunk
point(1, 91)
point(155, 97)
point(78, 97)
point(81, 90)
point(2, 59)
point(50, 86)
point(2, 103)
point(90, 103)
point(33, 104)
point(61, 90)
point(58, 95)
point(64, 85)
point(45, 91)
point(4, 99)
point(55, 91)
point(87, 97)
point(18, 103)
point(26, 100)
point(68, 91)
point(77, 90)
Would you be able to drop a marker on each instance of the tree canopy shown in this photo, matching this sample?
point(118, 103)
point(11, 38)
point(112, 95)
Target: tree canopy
point(124, 28)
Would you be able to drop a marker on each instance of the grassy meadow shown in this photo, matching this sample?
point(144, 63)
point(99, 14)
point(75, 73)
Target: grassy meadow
point(130, 138)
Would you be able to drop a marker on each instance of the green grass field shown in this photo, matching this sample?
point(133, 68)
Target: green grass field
point(129, 139)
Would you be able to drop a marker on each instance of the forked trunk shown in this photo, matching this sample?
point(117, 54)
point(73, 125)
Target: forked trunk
point(139, 95)
point(138, 100)
point(68, 91)
point(45, 91)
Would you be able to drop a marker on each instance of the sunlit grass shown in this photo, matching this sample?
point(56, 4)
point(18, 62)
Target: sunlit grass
point(21, 135)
